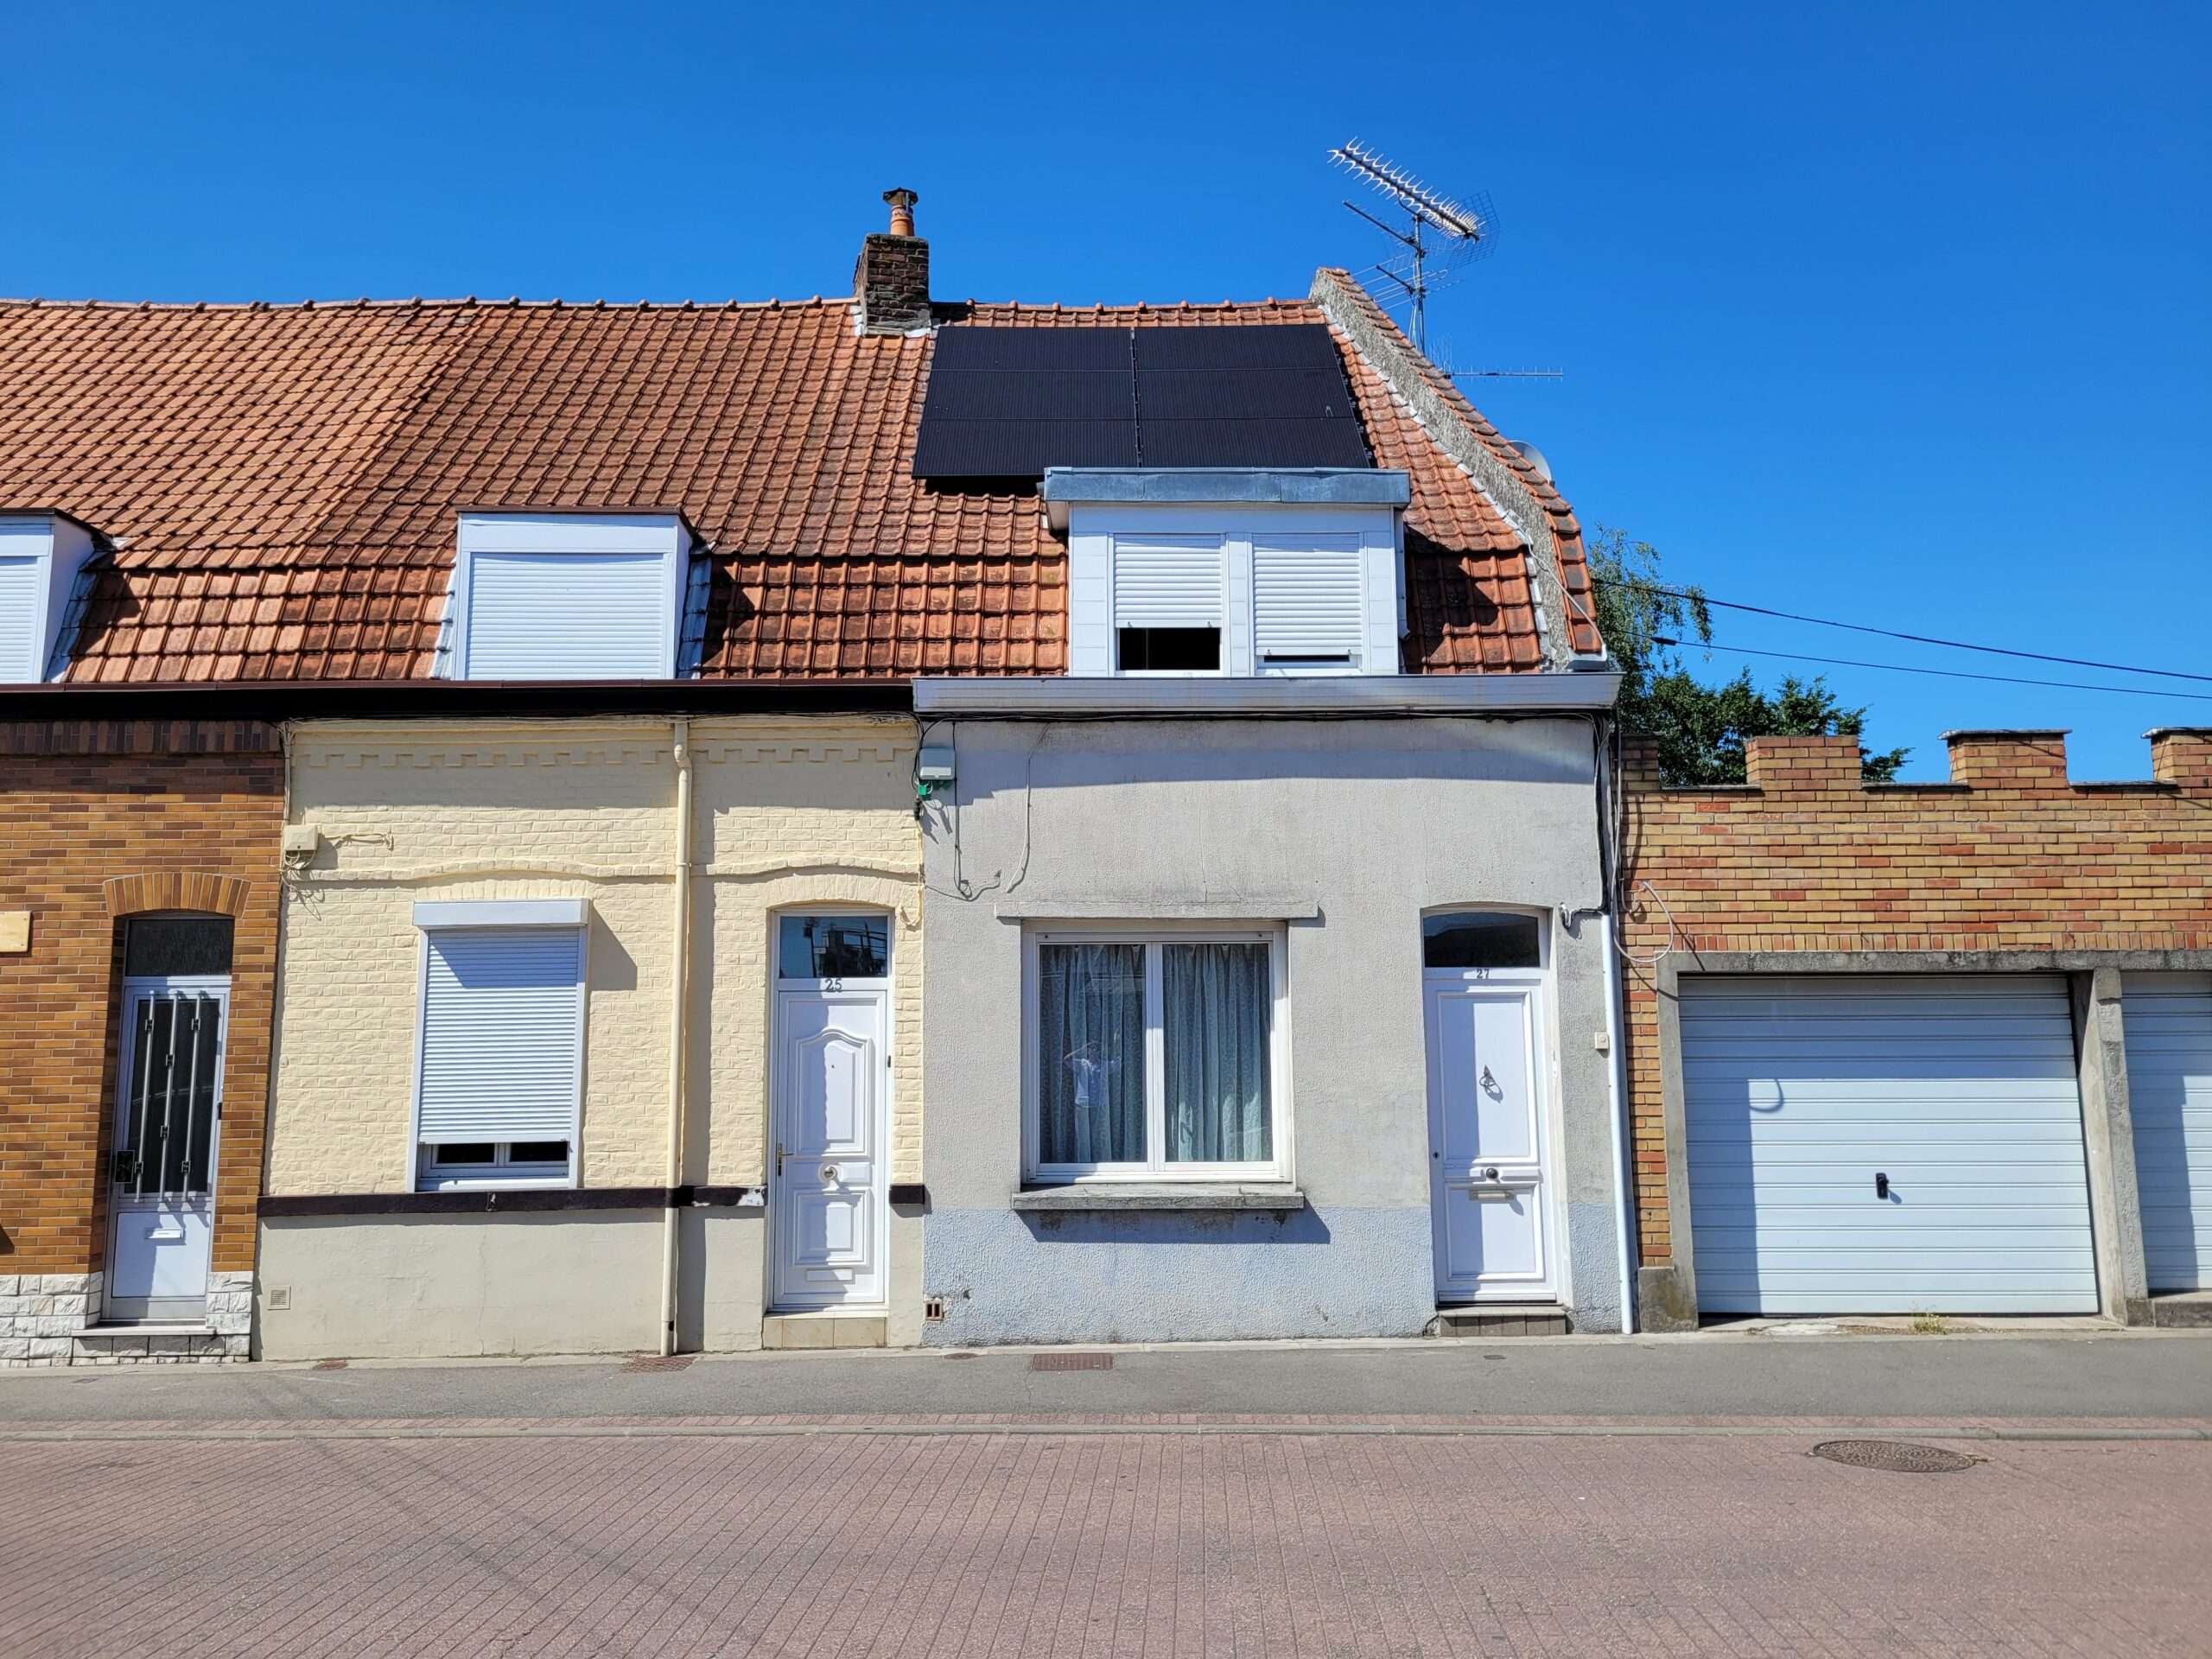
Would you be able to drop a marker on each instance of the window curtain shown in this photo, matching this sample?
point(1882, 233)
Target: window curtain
point(1090, 1053)
point(1216, 999)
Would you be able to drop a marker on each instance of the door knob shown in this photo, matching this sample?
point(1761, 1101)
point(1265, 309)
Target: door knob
point(1489, 1172)
point(1881, 1184)
point(828, 1175)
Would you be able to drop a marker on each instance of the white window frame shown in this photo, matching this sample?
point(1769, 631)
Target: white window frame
point(502, 1172)
point(553, 534)
point(434, 915)
point(1093, 641)
point(1156, 1166)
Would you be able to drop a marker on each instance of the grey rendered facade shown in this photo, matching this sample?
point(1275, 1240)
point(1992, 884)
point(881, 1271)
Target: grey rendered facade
point(1341, 828)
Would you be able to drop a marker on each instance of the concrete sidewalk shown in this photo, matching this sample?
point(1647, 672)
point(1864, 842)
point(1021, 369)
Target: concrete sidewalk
point(2106, 1378)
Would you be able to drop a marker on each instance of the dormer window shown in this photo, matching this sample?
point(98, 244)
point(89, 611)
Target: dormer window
point(1230, 571)
point(40, 557)
point(568, 596)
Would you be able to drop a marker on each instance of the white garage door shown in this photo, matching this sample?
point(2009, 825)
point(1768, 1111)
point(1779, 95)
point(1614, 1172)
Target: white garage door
point(1885, 1146)
point(2169, 1021)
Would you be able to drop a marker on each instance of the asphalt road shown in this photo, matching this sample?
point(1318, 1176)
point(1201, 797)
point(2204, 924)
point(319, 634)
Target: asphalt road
point(1956, 1379)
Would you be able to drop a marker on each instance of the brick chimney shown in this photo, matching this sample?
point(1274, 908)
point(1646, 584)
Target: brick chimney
point(891, 284)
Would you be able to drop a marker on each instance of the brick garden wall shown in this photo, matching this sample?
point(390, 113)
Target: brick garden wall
point(102, 818)
point(2007, 855)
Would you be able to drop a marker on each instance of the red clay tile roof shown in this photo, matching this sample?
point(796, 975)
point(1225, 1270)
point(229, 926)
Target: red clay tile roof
point(281, 483)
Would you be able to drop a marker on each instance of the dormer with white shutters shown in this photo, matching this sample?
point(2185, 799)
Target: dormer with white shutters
point(1231, 571)
point(40, 555)
point(566, 596)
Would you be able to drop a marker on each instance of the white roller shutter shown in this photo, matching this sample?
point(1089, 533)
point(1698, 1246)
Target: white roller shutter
point(1306, 598)
point(1960, 1091)
point(569, 616)
point(23, 600)
point(2168, 1018)
point(1167, 581)
point(503, 1011)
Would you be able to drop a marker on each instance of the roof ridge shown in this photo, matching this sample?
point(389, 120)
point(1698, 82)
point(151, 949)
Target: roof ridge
point(476, 302)
point(467, 302)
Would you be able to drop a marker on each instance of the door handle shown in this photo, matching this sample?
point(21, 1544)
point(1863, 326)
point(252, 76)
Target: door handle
point(1881, 1184)
point(1489, 1173)
point(1489, 1082)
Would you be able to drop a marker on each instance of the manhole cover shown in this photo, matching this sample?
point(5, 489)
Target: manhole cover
point(1070, 1362)
point(659, 1362)
point(1897, 1457)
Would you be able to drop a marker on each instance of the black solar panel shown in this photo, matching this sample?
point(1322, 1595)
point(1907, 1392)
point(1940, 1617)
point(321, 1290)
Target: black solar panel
point(1251, 443)
point(1008, 402)
point(1239, 346)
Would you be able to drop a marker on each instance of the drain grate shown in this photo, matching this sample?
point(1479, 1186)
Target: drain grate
point(1070, 1362)
point(1897, 1457)
point(659, 1362)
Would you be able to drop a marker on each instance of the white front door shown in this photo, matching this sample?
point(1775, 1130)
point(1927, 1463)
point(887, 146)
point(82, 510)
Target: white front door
point(830, 1198)
point(161, 1175)
point(1488, 1182)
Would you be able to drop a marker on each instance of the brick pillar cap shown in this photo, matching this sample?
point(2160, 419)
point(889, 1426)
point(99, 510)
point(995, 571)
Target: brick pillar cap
point(2007, 731)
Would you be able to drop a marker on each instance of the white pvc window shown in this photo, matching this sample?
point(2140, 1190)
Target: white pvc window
point(569, 597)
point(499, 1094)
point(1155, 1056)
point(22, 597)
point(1169, 610)
point(1308, 602)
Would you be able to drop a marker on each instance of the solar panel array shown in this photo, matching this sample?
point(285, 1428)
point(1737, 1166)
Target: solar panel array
point(1008, 402)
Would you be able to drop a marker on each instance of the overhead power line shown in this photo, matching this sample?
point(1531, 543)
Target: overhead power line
point(1915, 639)
point(1943, 673)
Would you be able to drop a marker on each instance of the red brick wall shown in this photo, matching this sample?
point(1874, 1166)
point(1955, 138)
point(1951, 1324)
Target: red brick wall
point(98, 818)
point(2008, 856)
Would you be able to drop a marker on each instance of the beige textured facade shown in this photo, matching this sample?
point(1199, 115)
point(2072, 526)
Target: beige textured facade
point(787, 814)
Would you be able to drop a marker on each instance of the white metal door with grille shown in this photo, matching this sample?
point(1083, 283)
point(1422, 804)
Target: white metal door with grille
point(1489, 1191)
point(2168, 1018)
point(168, 1137)
point(830, 1197)
point(1862, 1145)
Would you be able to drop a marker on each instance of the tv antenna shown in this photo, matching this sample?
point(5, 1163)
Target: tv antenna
point(1439, 229)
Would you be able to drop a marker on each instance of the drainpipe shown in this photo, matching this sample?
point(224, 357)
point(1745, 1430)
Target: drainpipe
point(680, 979)
point(1617, 1081)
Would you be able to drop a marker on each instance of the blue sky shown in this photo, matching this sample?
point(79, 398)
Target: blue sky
point(1890, 313)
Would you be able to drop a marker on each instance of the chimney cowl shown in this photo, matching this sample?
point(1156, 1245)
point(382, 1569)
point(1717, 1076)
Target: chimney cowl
point(891, 281)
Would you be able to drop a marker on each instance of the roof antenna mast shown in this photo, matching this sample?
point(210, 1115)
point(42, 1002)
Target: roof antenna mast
point(1436, 228)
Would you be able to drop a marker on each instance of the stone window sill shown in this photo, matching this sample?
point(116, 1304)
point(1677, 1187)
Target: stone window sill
point(1160, 1195)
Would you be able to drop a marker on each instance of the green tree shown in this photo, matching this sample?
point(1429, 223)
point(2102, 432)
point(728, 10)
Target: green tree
point(1700, 729)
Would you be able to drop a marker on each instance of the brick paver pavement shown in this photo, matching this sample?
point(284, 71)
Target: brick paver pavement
point(1144, 1541)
